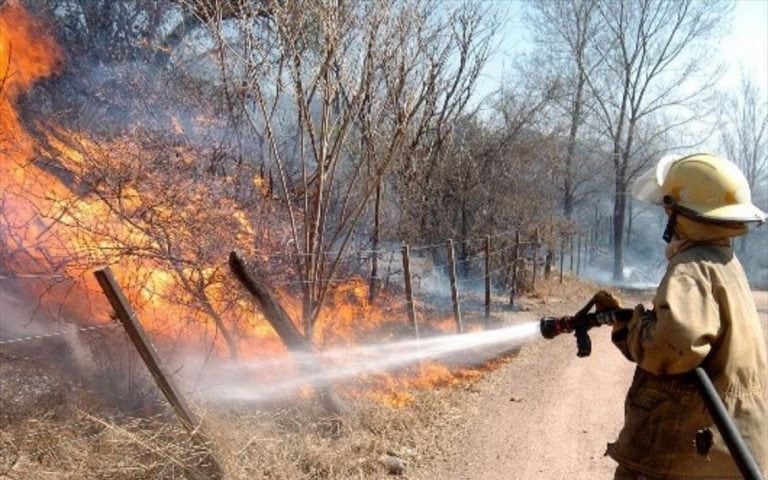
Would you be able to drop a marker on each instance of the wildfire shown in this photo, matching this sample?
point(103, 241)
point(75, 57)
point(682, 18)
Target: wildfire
point(25, 57)
point(168, 234)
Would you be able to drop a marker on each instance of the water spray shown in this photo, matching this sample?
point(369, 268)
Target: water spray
point(340, 364)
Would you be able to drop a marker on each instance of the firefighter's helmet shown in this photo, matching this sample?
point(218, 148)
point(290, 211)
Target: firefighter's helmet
point(701, 186)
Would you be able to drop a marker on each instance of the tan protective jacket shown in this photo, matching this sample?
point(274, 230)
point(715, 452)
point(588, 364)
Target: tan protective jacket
point(704, 314)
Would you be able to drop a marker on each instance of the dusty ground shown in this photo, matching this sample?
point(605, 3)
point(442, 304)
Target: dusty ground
point(547, 414)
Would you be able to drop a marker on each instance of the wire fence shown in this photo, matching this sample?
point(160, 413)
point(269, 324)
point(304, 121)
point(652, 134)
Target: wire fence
point(502, 261)
point(480, 263)
point(27, 338)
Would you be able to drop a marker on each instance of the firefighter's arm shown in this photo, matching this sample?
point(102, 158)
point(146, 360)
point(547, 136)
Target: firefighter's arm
point(678, 334)
point(620, 332)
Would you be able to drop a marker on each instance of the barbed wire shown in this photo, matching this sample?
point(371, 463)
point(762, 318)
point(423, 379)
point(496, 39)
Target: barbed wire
point(348, 252)
point(8, 341)
point(32, 275)
point(480, 276)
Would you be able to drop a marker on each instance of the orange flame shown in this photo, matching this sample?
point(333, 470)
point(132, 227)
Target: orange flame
point(46, 223)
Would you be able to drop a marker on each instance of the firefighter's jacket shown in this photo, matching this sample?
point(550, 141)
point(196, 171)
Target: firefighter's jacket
point(703, 315)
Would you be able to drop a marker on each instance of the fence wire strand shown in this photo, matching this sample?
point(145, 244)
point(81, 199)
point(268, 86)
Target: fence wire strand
point(8, 341)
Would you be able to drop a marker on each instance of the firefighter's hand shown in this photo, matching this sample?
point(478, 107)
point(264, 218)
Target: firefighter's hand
point(638, 312)
point(605, 300)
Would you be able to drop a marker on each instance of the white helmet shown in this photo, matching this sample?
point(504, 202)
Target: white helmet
point(701, 186)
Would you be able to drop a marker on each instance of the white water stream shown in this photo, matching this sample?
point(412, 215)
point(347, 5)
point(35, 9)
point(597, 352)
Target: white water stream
point(235, 381)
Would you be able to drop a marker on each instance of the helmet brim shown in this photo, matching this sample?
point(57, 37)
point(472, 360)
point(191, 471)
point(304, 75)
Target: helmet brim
point(647, 187)
point(738, 213)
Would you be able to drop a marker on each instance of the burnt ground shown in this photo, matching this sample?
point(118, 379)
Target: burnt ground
point(547, 414)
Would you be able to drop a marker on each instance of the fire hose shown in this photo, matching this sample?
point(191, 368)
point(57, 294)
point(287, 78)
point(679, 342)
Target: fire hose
point(580, 324)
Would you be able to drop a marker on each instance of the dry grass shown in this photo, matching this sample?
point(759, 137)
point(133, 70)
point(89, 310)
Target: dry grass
point(75, 436)
point(296, 442)
point(81, 445)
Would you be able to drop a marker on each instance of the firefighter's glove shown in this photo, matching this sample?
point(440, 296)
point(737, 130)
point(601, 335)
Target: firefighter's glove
point(638, 312)
point(605, 301)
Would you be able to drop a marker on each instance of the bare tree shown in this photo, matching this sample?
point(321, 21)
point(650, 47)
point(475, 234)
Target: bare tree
point(652, 64)
point(744, 133)
point(339, 91)
point(482, 182)
point(565, 31)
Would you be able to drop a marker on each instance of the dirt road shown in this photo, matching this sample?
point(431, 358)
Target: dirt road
point(546, 415)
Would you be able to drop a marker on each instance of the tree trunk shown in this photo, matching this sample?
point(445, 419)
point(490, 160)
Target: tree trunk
point(743, 240)
point(464, 255)
point(629, 221)
point(618, 229)
point(374, 282)
point(568, 189)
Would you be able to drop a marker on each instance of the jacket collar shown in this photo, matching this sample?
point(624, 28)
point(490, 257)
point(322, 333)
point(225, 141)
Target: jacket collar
point(678, 245)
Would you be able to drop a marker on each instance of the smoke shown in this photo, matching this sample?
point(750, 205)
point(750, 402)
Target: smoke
point(30, 315)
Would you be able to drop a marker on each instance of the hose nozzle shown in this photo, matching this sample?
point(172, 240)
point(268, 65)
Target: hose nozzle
point(551, 327)
point(554, 326)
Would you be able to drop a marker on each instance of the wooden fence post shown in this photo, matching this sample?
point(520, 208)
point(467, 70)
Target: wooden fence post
point(548, 259)
point(515, 260)
point(562, 258)
point(293, 340)
point(409, 291)
point(487, 276)
point(578, 256)
point(374, 281)
point(165, 383)
point(454, 287)
point(536, 247)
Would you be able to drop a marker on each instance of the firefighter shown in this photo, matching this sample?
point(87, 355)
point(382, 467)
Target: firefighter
point(703, 314)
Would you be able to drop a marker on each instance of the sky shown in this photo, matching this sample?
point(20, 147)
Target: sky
point(744, 46)
point(747, 43)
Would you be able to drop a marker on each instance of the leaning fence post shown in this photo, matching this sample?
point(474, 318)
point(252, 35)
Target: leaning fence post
point(165, 383)
point(293, 340)
point(487, 276)
point(454, 287)
point(409, 291)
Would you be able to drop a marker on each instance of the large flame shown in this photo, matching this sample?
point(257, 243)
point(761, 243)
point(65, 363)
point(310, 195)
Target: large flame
point(47, 226)
point(26, 55)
